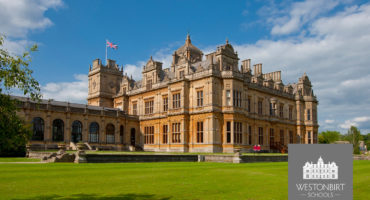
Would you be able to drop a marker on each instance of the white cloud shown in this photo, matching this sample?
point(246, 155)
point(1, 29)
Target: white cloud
point(133, 70)
point(334, 53)
point(19, 17)
point(75, 91)
point(329, 121)
point(360, 122)
point(298, 14)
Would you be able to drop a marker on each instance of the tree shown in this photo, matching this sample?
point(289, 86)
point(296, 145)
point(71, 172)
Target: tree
point(353, 136)
point(328, 137)
point(15, 74)
point(367, 140)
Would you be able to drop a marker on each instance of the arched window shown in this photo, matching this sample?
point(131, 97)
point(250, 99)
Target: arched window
point(110, 134)
point(38, 129)
point(76, 131)
point(58, 130)
point(121, 133)
point(94, 132)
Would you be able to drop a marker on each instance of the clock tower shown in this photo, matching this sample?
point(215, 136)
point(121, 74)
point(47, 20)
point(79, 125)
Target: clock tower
point(104, 83)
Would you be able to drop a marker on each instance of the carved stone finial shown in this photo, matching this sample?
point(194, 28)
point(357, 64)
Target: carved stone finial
point(227, 41)
point(188, 41)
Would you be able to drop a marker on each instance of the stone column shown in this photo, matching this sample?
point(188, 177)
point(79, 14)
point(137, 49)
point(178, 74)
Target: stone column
point(116, 131)
point(232, 131)
point(102, 130)
point(67, 128)
point(48, 128)
point(85, 129)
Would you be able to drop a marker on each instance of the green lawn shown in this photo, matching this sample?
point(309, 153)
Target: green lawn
point(137, 181)
point(18, 159)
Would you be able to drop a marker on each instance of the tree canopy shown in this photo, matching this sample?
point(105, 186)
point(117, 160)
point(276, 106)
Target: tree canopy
point(328, 137)
point(15, 74)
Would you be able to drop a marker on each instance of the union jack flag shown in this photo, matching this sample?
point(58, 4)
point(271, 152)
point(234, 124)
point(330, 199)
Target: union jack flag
point(111, 45)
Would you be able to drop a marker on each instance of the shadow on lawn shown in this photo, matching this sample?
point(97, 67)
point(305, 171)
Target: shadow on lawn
point(130, 196)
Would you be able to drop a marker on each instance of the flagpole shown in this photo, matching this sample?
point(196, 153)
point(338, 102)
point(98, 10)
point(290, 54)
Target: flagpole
point(106, 55)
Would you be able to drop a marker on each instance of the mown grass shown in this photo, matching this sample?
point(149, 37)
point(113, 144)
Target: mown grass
point(156, 181)
point(18, 159)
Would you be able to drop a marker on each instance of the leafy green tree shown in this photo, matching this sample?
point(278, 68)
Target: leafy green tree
point(14, 74)
point(328, 137)
point(367, 140)
point(353, 136)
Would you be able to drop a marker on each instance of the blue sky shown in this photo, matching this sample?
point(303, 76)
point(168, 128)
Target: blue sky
point(329, 40)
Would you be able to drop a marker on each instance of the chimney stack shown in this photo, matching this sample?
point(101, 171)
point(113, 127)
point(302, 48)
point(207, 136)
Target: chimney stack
point(246, 65)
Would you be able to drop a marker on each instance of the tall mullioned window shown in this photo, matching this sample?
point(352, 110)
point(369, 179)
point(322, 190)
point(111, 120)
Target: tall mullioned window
point(308, 114)
point(315, 137)
point(281, 111)
point(149, 84)
point(38, 129)
point(282, 137)
point(309, 137)
point(165, 134)
point(249, 104)
point(199, 132)
point(228, 132)
point(228, 98)
point(176, 101)
point(272, 109)
point(272, 136)
point(238, 136)
point(58, 130)
point(200, 98)
point(260, 107)
point(149, 135)
point(165, 103)
point(176, 134)
point(94, 132)
point(109, 134)
point(260, 135)
point(149, 107)
point(134, 108)
point(290, 112)
point(291, 140)
point(237, 98)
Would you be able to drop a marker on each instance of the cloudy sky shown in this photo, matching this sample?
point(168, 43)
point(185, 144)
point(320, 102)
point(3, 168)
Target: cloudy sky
point(329, 40)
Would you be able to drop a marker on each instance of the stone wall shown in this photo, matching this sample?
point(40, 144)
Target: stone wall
point(361, 157)
point(117, 158)
point(248, 159)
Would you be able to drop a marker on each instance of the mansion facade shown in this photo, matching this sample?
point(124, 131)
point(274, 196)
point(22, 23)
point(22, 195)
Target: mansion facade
point(200, 104)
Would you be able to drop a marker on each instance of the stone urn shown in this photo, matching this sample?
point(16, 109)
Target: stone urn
point(80, 157)
point(237, 154)
point(237, 151)
point(28, 149)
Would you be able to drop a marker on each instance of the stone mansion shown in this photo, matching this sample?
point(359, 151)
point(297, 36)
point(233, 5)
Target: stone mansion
point(199, 104)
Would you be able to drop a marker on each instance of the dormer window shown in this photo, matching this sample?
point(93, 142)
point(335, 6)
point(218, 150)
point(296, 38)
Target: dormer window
point(149, 84)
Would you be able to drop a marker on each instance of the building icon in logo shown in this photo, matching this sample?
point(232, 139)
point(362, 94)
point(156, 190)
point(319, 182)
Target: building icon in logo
point(320, 170)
